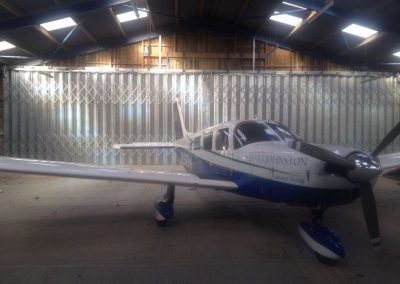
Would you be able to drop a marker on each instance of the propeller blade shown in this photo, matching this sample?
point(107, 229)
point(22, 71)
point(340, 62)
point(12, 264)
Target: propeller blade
point(387, 140)
point(370, 214)
point(322, 154)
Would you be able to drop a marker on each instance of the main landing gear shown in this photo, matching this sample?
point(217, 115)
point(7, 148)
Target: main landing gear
point(326, 245)
point(164, 209)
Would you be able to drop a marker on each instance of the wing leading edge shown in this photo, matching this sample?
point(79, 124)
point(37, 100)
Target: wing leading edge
point(390, 161)
point(52, 168)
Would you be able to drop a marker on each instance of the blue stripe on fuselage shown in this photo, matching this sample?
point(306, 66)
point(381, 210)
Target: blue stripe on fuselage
point(262, 188)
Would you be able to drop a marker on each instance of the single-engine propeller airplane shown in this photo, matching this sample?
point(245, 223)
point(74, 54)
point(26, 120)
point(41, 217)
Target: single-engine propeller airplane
point(256, 158)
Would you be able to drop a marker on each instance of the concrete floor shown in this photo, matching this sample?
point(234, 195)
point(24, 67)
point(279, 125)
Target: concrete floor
point(59, 230)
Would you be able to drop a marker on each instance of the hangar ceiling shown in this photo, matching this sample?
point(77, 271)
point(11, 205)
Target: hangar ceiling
point(319, 32)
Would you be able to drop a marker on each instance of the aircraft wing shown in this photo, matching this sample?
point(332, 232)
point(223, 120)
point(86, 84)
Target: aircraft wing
point(390, 161)
point(151, 145)
point(52, 168)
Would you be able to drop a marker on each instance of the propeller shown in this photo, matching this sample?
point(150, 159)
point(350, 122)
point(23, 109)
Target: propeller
point(370, 214)
point(361, 169)
point(322, 154)
point(387, 140)
point(357, 167)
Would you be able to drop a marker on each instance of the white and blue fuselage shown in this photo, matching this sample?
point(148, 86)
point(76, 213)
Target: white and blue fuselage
point(265, 167)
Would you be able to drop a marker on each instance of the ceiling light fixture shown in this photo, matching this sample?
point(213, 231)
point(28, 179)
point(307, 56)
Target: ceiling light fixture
point(286, 19)
point(293, 5)
point(4, 45)
point(360, 31)
point(130, 16)
point(59, 24)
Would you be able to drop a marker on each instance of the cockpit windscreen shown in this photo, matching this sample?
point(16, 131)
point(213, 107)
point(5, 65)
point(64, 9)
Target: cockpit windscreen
point(252, 132)
point(283, 131)
point(261, 131)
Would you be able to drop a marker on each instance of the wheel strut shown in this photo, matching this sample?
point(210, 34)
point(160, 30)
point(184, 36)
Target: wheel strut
point(164, 209)
point(317, 213)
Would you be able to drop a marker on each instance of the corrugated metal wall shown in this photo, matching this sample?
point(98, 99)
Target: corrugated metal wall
point(78, 115)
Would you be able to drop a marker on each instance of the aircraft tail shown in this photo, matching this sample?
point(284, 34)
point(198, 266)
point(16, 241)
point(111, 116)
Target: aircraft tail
point(180, 132)
point(179, 123)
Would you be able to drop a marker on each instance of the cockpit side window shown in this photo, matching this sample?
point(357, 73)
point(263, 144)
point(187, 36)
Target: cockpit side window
point(222, 139)
point(196, 144)
point(252, 132)
point(283, 131)
point(207, 141)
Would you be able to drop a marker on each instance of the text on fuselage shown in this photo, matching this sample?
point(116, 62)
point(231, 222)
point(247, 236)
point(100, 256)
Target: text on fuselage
point(269, 159)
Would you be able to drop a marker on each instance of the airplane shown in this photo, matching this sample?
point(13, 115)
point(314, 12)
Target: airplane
point(255, 158)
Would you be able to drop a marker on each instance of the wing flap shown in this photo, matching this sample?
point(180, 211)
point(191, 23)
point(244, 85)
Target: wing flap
point(52, 168)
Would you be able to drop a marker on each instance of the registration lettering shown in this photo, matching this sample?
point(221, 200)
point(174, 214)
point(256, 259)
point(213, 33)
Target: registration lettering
point(272, 159)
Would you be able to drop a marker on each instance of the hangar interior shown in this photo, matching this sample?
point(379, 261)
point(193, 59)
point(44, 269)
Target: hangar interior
point(78, 77)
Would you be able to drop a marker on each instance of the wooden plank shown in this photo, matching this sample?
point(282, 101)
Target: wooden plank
point(205, 51)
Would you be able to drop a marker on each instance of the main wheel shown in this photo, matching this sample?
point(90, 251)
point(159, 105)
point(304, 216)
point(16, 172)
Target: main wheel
point(326, 260)
point(161, 223)
point(163, 211)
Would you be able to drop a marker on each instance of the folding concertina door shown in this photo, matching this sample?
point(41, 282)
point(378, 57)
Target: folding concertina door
point(78, 115)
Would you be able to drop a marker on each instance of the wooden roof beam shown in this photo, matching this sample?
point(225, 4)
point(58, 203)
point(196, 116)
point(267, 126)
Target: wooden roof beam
point(369, 11)
point(241, 11)
point(24, 49)
point(366, 41)
point(81, 27)
point(150, 15)
point(18, 13)
point(121, 29)
point(312, 16)
point(301, 24)
point(267, 16)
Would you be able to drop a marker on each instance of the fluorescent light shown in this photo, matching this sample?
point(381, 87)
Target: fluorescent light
point(360, 31)
point(286, 19)
point(397, 54)
point(15, 56)
point(4, 45)
point(59, 24)
point(293, 5)
point(130, 16)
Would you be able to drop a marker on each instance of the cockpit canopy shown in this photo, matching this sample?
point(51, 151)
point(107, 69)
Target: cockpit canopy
point(249, 132)
point(235, 136)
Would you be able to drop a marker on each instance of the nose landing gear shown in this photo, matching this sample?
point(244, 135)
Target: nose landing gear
point(326, 245)
point(164, 209)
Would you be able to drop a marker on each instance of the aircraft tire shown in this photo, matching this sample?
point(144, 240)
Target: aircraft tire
point(326, 260)
point(161, 223)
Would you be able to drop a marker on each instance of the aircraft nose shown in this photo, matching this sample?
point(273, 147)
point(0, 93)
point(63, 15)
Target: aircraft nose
point(366, 168)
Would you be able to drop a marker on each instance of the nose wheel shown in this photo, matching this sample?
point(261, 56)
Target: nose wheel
point(164, 209)
point(326, 245)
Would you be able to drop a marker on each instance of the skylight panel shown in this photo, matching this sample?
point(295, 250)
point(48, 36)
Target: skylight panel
point(286, 19)
point(59, 24)
point(4, 45)
point(359, 31)
point(397, 54)
point(293, 5)
point(130, 16)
